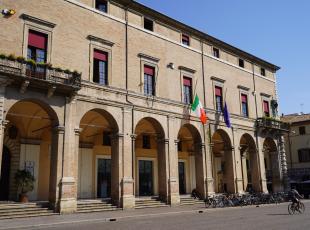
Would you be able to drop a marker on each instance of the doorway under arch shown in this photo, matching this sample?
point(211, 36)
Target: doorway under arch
point(223, 166)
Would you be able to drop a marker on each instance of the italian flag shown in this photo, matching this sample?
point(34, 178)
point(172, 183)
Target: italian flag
point(198, 109)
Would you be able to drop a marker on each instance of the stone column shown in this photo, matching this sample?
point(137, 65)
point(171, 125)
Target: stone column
point(4, 82)
point(262, 170)
point(286, 183)
point(209, 171)
point(127, 161)
point(117, 168)
point(244, 170)
point(173, 172)
point(276, 172)
point(56, 166)
point(200, 169)
point(77, 132)
point(163, 169)
point(2, 133)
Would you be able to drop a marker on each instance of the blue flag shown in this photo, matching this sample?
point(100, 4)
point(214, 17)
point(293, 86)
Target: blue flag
point(226, 116)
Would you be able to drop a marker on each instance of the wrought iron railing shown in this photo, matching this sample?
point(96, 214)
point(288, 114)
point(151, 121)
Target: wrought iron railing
point(40, 72)
point(269, 123)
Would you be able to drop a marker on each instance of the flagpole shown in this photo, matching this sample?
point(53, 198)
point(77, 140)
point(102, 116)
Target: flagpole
point(194, 92)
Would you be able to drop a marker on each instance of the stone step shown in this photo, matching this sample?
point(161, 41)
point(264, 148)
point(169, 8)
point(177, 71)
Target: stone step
point(93, 205)
point(97, 210)
point(151, 206)
point(17, 210)
point(147, 202)
point(28, 215)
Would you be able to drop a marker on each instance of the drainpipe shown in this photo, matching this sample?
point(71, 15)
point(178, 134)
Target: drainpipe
point(127, 97)
point(256, 131)
point(205, 106)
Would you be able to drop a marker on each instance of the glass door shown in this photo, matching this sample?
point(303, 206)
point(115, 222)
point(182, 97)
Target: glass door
point(145, 178)
point(182, 178)
point(103, 178)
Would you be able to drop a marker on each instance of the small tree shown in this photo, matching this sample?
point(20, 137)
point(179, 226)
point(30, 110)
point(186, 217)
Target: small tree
point(24, 181)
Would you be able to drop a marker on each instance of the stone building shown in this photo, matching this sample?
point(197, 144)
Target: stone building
point(297, 145)
point(103, 110)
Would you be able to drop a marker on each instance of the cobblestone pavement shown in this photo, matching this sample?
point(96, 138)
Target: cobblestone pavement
point(190, 217)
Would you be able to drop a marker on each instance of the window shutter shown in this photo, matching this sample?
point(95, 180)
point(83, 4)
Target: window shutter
point(244, 98)
point(218, 91)
point(149, 70)
point(99, 55)
point(187, 81)
point(185, 38)
point(266, 106)
point(37, 40)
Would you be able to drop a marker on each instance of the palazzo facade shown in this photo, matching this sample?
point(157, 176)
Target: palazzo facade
point(95, 102)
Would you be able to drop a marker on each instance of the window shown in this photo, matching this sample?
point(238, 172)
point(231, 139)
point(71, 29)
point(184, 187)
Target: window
point(304, 155)
point(37, 51)
point(146, 142)
point(241, 63)
point(148, 24)
point(102, 5)
point(266, 109)
point(185, 40)
point(244, 105)
point(219, 98)
point(100, 69)
point(149, 81)
point(216, 52)
point(187, 90)
point(106, 140)
point(302, 130)
point(262, 72)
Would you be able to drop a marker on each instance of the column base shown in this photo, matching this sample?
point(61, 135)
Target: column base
point(68, 202)
point(174, 199)
point(210, 186)
point(68, 206)
point(128, 202)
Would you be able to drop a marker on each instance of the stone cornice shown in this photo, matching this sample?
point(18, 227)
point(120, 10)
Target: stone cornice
point(101, 40)
point(37, 20)
point(148, 57)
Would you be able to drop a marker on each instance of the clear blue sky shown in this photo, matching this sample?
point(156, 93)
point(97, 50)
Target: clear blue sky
point(275, 30)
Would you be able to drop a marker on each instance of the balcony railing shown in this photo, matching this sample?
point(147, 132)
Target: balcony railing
point(40, 75)
point(271, 124)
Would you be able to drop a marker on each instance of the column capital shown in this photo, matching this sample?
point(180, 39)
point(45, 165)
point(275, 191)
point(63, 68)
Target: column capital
point(133, 136)
point(4, 123)
point(116, 136)
point(78, 131)
point(60, 129)
point(163, 140)
point(177, 141)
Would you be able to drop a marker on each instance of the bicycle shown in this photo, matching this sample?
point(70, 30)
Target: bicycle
point(296, 207)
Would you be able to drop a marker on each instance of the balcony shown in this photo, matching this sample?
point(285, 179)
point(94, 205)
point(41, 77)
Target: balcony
point(271, 125)
point(31, 75)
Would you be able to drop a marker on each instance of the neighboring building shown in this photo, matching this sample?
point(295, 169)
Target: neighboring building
point(122, 128)
point(297, 144)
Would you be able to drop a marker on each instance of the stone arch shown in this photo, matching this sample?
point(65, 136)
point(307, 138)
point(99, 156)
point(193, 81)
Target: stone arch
point(223, 162)
point(272, 165)
point(35, 121)
point(249, 163)
point(191, 170)
point(150, 164)
point(14, 149)
point(99, 143)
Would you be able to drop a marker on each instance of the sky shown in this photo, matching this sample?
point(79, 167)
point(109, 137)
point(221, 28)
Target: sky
point(277, 31)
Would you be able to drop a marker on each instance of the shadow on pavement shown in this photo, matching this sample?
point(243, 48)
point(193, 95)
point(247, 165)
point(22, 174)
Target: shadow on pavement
point(278, 214)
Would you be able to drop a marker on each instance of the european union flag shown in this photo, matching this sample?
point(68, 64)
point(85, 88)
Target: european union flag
point(226, 116)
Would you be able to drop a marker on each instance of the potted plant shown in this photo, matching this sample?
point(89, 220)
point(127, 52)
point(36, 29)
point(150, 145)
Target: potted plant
point(25, 183)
